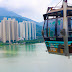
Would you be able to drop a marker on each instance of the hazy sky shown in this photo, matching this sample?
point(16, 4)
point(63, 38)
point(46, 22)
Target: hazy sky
point(33, 9)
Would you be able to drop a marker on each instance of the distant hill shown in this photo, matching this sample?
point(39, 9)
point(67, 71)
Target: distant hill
point(5, 12)
point(38, 29)
point(41, 23)
point(9, 14)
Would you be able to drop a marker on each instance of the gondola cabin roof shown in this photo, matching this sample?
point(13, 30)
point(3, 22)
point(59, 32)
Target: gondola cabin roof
point(58, 12)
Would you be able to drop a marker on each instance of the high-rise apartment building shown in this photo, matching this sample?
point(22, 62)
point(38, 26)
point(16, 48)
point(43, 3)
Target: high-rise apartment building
point(22, 30)
point(27, 30)
point(9, 30)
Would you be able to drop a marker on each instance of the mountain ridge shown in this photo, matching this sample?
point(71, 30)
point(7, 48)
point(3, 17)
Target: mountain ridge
point(10, 14)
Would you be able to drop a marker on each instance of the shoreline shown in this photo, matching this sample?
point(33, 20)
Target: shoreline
point(23, 42)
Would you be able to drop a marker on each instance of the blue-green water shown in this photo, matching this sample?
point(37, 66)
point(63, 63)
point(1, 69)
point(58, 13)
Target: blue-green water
point(32, 58)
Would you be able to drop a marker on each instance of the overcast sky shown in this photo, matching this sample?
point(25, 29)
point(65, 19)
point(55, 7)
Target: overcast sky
point(33, 9)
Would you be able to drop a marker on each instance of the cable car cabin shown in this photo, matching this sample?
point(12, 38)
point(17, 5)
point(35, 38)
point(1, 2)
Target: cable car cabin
point(57, 31)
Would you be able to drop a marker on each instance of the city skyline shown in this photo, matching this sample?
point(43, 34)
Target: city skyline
point(12, 31)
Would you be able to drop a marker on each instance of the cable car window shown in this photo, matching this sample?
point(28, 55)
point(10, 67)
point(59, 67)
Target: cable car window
point(45, 26)
point(59, 26)
point(70, 27)
point(51, 27)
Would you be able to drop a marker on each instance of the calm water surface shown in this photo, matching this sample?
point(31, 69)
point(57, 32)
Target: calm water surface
point(32, 58)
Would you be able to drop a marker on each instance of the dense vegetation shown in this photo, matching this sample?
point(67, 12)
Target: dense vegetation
point(39, 40)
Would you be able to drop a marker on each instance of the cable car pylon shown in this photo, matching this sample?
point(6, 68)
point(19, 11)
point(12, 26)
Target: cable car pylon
point(65, 26)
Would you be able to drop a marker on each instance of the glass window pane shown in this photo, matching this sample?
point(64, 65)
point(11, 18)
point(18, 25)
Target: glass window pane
point(59, 26)
point(45, 28)
point(51, 27)
point(70, 26)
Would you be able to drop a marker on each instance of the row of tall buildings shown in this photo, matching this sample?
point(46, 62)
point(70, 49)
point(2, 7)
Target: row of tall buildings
point(27, 30)
point(12, 31)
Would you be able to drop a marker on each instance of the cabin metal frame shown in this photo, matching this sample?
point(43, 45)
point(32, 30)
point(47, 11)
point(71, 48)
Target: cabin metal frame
point(65, 12)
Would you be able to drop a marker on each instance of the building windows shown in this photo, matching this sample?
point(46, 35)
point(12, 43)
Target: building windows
point(9, 30)
point(29, 29)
